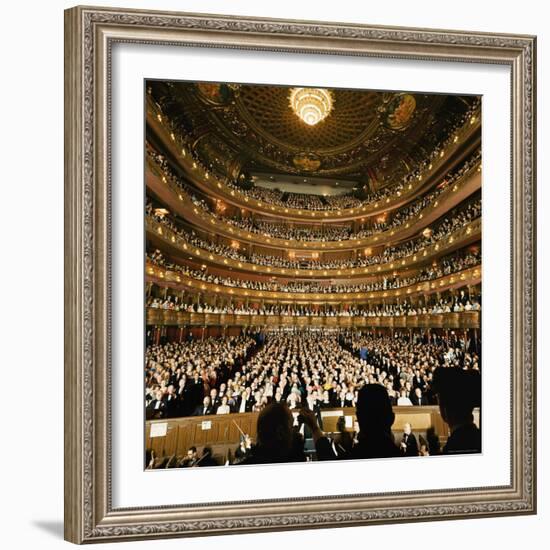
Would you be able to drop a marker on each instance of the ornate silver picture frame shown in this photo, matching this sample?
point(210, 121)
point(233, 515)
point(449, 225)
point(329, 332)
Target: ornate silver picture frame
point(90, 34)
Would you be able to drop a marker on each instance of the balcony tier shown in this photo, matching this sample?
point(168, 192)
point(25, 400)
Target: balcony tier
point(179, 281)
point(212, 185)
point(166, 317)
point(180, 203)
point(164, 238)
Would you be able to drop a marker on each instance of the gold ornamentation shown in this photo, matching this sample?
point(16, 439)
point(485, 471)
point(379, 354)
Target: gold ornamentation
point(312, 105)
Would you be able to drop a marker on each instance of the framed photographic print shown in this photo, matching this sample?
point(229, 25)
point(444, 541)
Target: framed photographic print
point(299, 260)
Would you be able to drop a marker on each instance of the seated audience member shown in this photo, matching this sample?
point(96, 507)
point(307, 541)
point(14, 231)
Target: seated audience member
point(403, 399)
point(409, 445)
point(246, 401)
point(375, 417)
point(156, 407)
point(343, 440)
point(171, 402)
point(190, 459)
point(418, 398)
point(204, 409)
point(459, 392)
point(224, 408)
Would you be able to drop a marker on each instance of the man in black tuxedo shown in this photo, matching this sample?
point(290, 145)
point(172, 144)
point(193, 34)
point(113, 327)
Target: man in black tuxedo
point(417, 398)
point(204, 409)
point(183, 394)
point(172, 403)
point(215, 400)
point(156, 407)
point(418, 380)
point(196, 392)
point(409, 445)
point(245, 402)
point(175, 375)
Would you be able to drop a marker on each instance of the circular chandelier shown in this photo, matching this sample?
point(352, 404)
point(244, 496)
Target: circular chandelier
point(312, 105)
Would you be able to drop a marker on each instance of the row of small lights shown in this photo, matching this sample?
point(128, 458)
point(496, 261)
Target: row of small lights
point(420, 287)
point(313, 214)
point(283, 271)
point(276, 240)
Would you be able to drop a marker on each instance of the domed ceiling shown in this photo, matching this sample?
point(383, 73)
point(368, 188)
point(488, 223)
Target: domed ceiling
point(373, 137)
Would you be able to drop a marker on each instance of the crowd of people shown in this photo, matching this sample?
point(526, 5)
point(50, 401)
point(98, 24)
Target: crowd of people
point(450, 264)
point(452, 221)
point(314, 202)
point(315, 370)
point(453, 304)
point(282, 436)
point(303, 201)
point(283, 371)
point(325, 233)
point(282, 230)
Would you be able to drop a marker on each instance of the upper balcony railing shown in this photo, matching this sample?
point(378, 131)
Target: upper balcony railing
point(464, 235)
point(182, 281)
point(181, 203)
point(208, 182)
point(162, 317)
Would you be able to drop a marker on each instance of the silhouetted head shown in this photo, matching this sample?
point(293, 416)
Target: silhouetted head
point(275, 429)
point(374, 410)
point(458, 392)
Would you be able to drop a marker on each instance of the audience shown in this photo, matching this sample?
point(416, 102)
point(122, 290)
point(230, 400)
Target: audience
point(454, 303)
point(328, 232)
point(295, 378)
point(447, 265)
point(282, 438)
point(313, 202)
point(452, 221)
point(322, 369)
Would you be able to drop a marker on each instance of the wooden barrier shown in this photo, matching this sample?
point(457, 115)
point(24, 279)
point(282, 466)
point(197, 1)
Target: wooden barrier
point(176, 435)
point(464, 319)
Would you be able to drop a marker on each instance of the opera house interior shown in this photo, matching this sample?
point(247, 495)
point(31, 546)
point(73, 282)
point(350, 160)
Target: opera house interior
point(312, 274)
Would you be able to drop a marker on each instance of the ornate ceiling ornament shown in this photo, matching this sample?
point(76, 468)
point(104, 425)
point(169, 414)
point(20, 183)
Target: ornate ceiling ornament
point(265, 133)
point(307, 162)
point(399, 112)
point(214, 93)
point(312, 105)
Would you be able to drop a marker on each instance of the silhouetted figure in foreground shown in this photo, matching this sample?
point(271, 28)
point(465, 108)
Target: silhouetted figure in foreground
point(343, 441)
point(276, 440)
point(459, 392)
point(432, 440)
point(375, 416)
